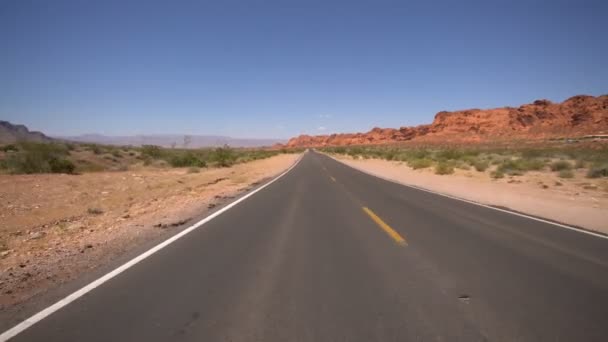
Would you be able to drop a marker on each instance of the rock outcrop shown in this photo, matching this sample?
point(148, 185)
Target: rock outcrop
point(10, 133)
point(578, 115)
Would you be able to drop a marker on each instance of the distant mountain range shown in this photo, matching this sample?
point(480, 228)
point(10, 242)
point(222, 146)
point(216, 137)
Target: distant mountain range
point(169, 140)
point(10, 133)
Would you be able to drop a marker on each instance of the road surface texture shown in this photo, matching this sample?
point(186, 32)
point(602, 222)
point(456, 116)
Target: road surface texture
point(328, 253)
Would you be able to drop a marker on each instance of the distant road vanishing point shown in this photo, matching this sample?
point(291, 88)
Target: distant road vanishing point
point(328, 253)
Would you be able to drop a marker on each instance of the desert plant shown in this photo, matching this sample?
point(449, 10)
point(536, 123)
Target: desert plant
point(561, 165)
point(580, 164)
point(444, 168)
point(566, 174)
point(33, 157)
point(598, 171)
point(481, 165)
point(421, 163)
point(224, 156)
point(9, 148)
point(151, 151)
point(186, 159)
point(95, 149)
point(58, 165)
point(95, 211)
point(497, 174)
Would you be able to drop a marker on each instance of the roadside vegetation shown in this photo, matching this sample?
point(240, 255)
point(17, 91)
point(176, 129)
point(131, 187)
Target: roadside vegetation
point(497, 162)
point(73, 158)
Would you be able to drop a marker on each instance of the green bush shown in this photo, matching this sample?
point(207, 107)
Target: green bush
point(449, 154)
point(420, 163)
point(224, 156)
point(481, 165)
point(444, 168)
point(96, 149)
point(35, 157)
point(598, 171)
point(151, 151)
point(561, 165)
point(497, 174)
point(9, 148)
point(186, 159)
point(61, 166)
point(516, 167)
point(566, 174)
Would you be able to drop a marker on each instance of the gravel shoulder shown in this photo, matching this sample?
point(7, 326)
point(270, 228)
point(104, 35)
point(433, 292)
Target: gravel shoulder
point(57, 227)
point(577, 201)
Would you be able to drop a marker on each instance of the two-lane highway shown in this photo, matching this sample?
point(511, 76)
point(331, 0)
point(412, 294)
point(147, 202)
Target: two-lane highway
point(327, 253)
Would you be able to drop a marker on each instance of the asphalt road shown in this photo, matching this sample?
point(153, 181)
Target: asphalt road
point(301, 260)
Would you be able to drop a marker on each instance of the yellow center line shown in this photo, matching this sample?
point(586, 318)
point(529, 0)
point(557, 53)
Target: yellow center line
point(390, 231)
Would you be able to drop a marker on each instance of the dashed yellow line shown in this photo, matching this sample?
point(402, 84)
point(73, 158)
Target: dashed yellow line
point(390, 231)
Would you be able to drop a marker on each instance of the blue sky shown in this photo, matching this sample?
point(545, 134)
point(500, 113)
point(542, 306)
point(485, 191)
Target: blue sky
point(281, 68)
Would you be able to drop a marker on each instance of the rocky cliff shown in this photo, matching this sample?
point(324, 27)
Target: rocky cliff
point(10, 133)
point(578, 115)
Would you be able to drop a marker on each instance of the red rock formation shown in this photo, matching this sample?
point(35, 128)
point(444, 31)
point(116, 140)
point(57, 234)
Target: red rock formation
point(578, 115)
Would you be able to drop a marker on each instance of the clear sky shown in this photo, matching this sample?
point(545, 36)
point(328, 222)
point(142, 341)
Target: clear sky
point(280, 68)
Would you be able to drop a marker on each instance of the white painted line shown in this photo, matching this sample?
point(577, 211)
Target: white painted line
point(473, 202)
point(67, 300)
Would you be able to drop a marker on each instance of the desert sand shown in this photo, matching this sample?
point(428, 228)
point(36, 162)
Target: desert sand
point(54, 227)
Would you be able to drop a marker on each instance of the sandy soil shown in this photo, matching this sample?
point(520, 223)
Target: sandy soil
point(577, 201)
point(54, 227)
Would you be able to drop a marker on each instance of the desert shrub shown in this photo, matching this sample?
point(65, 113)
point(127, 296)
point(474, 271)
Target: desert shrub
point(95, 149)
point(194, 170)
point(561, 165)
point(389, 155)
point(481, 165)
point(355, 151)
point(459, 164)
point(9, 148)
point(497, 174)
point(580, 164)
point(419, 163)
point(597, 171)
point(186, 159)
point(449, 154)
point(533, 153)
point(33, 157)
point(444, 168)
point(517, 167)
point(95, 211)
point(532, 164)
point(116, 154)
point(224, 156)
point(61, 166)
point(151, 151)
point(340, 150)
point(420, 153)
point(566, 174)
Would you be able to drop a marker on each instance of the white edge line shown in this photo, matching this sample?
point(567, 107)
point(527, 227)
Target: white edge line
point(79, 293)
point(472, 202)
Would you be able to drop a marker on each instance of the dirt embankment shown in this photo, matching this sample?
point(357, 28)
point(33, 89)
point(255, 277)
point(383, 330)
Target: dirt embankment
point(54, 227)
point(577, 201)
